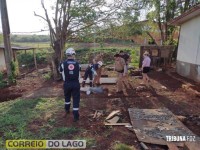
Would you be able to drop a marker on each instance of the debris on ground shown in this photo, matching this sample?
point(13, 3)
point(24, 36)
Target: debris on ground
point(140, 88)
point(144, 147)
point(159, 70)
point(113, 118)
point(136, 72)
point(181, 118)
point(116, 124)
point(172, 146)
point(112, 114)
point(97, 114)
point(163, 87)
point(154, 125)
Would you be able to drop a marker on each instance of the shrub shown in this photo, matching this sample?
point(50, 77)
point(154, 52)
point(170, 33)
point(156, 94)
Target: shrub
point(2, 82)
point(28, 58)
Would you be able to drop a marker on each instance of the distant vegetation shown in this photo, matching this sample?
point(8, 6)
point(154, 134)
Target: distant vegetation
point(30, 38)
point(84, 53)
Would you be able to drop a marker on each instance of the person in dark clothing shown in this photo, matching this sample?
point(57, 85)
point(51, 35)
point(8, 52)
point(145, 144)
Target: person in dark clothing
point(88, 73)
point(125, 56)
point(91, 72)
point(70, 73)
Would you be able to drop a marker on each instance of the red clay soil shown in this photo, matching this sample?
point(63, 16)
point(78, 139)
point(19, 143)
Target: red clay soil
point(164, 91)
point(9, 94)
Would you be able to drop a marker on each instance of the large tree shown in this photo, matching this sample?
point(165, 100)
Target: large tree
point(71, 17)
point(160, 12)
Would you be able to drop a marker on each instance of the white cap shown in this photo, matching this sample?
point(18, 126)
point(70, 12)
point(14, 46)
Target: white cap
point(70, 51)
point(100, 63)
point(88, 92)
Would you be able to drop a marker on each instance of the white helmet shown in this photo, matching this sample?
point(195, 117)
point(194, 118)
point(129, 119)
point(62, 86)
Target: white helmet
point(70, 51)
point(100, 63)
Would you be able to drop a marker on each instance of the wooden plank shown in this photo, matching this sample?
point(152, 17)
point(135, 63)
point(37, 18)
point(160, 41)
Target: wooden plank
point(153, 125)
point(113, 120)
point(95, 114)
point(192, 145)
point(172, 146)
point(112, 114)
point(103, 80)
point(144, 146)
point(117, 124)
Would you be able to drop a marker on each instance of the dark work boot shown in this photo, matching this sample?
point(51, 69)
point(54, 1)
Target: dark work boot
point(76, 116)
point(90, 84)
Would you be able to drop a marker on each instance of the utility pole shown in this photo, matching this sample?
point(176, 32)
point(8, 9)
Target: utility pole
point(6, 36)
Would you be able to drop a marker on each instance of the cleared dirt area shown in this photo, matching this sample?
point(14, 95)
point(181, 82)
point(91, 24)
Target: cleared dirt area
point(166, 89)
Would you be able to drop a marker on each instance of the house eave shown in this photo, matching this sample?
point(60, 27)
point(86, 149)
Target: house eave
point(188, 15)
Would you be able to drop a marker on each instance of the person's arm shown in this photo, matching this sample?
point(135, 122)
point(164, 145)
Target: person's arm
point(60, 69)
point(125, 68)
point(144, 63)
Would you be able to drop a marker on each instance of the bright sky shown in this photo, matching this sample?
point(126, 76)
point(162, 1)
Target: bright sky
point(21, 16)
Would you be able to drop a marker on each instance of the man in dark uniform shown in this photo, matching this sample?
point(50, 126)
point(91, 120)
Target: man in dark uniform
point(70, 73)
point(88, 72)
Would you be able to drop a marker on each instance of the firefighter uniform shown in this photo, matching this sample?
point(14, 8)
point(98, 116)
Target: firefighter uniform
point(70, 73)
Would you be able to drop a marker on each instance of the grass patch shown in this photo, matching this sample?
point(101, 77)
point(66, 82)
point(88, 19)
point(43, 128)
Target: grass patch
point(121, 146)
point(17, 116)
point(62, 131)
point(90, 142)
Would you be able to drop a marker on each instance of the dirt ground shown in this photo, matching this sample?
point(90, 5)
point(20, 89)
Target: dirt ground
point(166, 89)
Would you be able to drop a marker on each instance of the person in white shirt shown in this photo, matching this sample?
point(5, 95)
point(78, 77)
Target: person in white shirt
point(146, 67)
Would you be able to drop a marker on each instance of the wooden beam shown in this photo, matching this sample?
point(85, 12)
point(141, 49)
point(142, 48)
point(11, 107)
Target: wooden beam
point(172, 146)
point(117, 124)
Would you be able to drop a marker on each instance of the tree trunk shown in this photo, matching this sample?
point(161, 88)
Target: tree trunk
point(57, 58)
point(6, 35)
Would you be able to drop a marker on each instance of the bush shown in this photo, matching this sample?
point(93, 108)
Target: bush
point(28, 58)
point(2, 82)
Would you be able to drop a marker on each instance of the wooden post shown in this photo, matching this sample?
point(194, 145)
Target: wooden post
point(35, 60)
point(6, 35)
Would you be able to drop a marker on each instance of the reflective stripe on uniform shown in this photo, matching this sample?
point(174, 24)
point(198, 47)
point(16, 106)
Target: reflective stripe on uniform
point(75, 109)
point(67, 103)
point(63, 73)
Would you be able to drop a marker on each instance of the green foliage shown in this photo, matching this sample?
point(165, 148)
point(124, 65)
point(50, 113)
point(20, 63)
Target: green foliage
point(30, 38)
point(47, 76)
point(3, 83)
point(86, 54)
point(28, 58)
point(121, 146)
point(12, 77)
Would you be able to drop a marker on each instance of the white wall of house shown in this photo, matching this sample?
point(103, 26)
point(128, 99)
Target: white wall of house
point(2, 60)
point(189, 42)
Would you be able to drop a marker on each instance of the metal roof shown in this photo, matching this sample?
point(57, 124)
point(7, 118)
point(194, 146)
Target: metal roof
point(186, 16)
point(18, 48)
